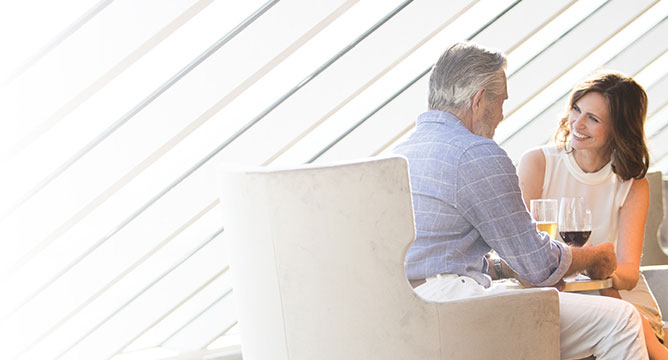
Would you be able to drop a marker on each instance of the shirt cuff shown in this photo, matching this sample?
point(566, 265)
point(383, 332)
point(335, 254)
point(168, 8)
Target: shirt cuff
point(565, 259)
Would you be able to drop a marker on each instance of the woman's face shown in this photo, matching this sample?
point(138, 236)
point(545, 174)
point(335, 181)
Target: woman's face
point(590, 123)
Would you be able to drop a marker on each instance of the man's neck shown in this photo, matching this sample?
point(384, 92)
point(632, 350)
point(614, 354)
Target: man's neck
point(466, 117)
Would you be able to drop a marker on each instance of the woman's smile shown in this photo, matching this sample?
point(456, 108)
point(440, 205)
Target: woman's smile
point(578, 136)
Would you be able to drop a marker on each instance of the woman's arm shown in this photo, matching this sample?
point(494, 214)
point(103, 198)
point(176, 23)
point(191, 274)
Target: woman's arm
point(531, 172)
point(631, 233)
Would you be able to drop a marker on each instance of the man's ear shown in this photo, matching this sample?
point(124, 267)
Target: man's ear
point(476, 102)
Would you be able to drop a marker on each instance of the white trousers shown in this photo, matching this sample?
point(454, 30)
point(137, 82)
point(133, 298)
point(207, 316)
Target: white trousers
point(605, 327)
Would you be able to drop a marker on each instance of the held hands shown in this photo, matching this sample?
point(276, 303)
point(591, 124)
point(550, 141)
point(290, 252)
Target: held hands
point(603, 262)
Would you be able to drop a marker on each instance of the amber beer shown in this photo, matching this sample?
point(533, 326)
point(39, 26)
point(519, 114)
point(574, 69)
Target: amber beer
point(548, 227)
point(544, 213)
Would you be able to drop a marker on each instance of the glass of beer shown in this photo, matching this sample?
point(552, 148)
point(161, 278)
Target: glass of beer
point(544, 212)
point(574, 221)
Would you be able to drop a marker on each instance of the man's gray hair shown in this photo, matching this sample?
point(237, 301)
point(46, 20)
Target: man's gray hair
point(460, 72)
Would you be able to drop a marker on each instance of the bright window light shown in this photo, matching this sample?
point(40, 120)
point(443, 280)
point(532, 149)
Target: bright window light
point(387, 150)
point(122, 94)
point(158, 333)
point(655, 122)
point(550, 33)
point(658, 150)
point(662, 165)
point(64, 72)
point(564, 83)
point(397, 77)
point(155, 353)
point(231, 338)
point(303, 62)
point(653, 72)
point(316, 52)
point(37, 22)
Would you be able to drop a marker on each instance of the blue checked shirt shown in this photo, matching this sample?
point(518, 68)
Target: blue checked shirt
point(467, 200)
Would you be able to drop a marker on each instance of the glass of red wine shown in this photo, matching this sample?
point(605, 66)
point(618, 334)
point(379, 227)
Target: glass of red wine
point(574, 221)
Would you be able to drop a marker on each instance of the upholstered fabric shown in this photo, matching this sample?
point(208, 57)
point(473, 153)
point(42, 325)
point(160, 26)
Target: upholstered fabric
point(663, 230)
point(654, 250)
point(317, 260)
point(653, 253)
point(657, 279)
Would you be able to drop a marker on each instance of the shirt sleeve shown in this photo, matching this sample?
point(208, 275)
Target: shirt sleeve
point(489, 197)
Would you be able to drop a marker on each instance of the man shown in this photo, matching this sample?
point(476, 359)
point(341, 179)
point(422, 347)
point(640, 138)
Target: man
point(467, 201)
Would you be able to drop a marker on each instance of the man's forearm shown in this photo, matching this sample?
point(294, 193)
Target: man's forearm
point(582, 259)
point(598, 261)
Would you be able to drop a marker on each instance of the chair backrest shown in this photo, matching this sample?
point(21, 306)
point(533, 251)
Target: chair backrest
point(663, 230)
point(652, 252)
point(317, 261)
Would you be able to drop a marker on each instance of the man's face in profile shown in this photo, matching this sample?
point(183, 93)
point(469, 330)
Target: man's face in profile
point(493, 111)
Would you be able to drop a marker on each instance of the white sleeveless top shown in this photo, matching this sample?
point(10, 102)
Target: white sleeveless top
point(604, 191)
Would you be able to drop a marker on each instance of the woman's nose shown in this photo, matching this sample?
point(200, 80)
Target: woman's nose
point(578, 121)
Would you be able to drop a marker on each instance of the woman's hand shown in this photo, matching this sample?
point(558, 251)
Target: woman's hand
point(615, 281)
point(625, 277)
point(610, 292)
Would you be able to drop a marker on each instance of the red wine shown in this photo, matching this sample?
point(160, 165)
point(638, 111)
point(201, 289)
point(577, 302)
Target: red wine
point(575, 238)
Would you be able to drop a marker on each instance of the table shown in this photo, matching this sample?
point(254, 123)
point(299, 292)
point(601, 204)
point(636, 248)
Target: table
point(573, 284)
point(584, 283)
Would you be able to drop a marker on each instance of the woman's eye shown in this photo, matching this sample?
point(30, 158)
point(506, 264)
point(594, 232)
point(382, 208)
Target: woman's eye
point(576, 108)
point(593, 118)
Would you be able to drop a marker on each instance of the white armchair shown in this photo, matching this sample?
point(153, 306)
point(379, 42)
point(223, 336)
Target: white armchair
point(317, 260)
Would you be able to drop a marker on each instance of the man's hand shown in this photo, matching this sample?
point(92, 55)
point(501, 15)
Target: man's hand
point(603, 262)
point(560, 285)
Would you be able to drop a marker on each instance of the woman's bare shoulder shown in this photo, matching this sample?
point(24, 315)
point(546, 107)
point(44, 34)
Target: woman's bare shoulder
point(533, 159)
point(640, 187)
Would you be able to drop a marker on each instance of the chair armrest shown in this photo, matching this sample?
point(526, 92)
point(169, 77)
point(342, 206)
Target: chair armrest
point(657, 280)
point(522, 324)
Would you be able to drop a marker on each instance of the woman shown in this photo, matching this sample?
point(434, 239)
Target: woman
point(601, 155)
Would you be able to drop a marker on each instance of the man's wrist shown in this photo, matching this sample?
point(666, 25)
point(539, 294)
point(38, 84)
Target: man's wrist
point(498, 268)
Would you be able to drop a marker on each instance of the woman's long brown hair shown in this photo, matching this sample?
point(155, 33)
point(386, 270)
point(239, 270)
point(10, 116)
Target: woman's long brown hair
point(627, 105)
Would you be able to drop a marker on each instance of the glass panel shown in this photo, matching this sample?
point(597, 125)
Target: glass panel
point(562, 85)
point(524, 20)
point(273, 130)
point(87, 54)
point(106, 325)
point(129, 150)
point(107, 106)
point(230, 339)
point(36, 21)
point(418, 57)
point(201, 331)
point(643, 50)
point(574, 55)
point(549, 33)
point(657, 121)
point(176, 320)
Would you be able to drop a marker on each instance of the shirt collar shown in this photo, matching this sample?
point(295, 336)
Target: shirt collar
point(439, 117)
